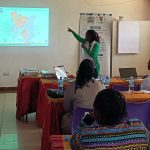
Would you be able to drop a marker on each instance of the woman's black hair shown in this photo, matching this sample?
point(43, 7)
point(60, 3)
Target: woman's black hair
point(148, 65)
point(94, 35)
point(84, 74)
point(110, 107)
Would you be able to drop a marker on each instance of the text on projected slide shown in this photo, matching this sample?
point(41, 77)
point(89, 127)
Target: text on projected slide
point(24, 26)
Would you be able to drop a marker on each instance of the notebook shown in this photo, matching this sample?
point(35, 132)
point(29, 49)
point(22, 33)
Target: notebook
point(126, 73)
point(61, 72)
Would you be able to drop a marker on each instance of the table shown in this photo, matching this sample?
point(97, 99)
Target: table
point(59, 142)
point(31, 94)
point(119, 81)
point(42, 101)
point(27, 94)
point(52, 121)
point(136, 97)
point(44, 84)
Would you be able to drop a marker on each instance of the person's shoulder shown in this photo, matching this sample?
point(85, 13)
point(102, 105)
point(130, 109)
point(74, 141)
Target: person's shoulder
point(98, 82)
point(71, 86)
point(96, 43)
point(135, 122)
point(148, 77)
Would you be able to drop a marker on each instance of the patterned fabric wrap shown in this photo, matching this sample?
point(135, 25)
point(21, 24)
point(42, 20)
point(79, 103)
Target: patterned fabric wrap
point(129, 135)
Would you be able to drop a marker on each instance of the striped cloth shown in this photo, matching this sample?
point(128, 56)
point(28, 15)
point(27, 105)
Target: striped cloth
point(130, 135)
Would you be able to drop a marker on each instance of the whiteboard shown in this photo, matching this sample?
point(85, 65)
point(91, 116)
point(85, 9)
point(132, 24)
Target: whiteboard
point(128, 37)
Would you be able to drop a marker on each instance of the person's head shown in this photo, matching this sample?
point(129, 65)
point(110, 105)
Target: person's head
point(109, 107)
point(85, 73)
point(92, 35)
point(148, 65)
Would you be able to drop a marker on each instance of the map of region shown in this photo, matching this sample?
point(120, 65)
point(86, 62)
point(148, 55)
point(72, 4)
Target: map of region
point(24, 26)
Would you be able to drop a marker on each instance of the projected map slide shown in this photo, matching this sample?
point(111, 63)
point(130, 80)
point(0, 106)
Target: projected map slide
point(24, 26)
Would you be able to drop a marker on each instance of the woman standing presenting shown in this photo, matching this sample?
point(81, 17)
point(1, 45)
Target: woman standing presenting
point(91, 46)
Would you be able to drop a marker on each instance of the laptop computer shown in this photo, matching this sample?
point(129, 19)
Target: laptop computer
point(126, 73)
point(61, 72)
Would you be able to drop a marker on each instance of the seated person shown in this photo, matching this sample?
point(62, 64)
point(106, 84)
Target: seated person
point(146, 82)
point(81, 93)
point(107, 128)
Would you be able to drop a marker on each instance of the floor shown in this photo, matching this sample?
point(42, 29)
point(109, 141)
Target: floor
point(16, 135)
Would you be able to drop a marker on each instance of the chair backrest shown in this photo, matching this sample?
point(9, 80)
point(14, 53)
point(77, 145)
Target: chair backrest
point(135, 110)
point(140, 111)
point(121, 87)
point(78, 114)
point(125, 87)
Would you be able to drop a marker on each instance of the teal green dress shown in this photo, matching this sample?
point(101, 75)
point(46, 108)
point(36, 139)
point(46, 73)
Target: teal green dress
point(92, 53)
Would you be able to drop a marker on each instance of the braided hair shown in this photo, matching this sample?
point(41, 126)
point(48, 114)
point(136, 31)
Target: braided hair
point(84, 74)
point(94, 35)
point(110, 107)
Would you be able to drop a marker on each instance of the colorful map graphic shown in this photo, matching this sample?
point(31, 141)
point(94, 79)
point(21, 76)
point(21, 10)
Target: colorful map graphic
point(24, 26)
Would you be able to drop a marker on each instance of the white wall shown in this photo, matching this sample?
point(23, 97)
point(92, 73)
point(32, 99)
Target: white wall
point(63, 47)
point(139, 60)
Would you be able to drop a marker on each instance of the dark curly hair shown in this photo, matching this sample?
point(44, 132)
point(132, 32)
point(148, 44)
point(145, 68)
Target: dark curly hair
point(84, 74)
point(110, 107)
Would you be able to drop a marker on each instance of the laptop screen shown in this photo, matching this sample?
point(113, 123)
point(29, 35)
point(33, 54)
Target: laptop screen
point(128, 72)
point(60, 72)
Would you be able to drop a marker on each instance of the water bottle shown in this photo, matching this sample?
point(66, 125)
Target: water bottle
point(61, 85)
point(102, 78)
point(107, 81)
point(131, 84)
point(67, 138)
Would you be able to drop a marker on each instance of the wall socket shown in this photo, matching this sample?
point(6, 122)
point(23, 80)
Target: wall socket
point(6, 74)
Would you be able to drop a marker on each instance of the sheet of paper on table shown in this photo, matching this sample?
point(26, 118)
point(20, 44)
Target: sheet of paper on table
point(146, 91)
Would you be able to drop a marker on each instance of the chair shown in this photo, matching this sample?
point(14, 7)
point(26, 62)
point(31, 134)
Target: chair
point(140, 111)
point(120, 87)
point(125, 87)
point(78, 114)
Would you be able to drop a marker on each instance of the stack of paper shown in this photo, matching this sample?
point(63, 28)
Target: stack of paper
point(48, 74)
point(145, 91)
point(29, 71)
